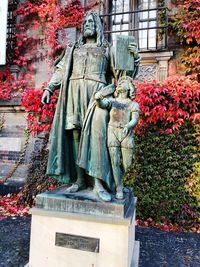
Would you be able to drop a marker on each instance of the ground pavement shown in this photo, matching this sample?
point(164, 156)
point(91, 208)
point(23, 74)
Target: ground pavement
point(157, 248)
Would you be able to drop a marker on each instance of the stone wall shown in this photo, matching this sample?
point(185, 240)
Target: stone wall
point(12, 140)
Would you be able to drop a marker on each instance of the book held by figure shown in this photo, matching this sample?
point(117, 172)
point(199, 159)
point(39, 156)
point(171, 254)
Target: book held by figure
point(124, 58)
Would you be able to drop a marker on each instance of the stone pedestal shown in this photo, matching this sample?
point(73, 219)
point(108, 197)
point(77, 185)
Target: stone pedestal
point(72, 231)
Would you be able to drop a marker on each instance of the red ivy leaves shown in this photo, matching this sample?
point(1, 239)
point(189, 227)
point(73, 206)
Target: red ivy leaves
point(186, 25)
point(188, 20)
point(50, 16)
point(168, 104)
point(6, 79)
point(39, 116)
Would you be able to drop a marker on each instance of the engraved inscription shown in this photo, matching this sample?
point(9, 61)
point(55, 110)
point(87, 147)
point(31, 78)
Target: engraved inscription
point(77, 242)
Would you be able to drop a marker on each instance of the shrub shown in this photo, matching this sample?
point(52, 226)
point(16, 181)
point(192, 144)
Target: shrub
point(165, 173)
point(160, 171)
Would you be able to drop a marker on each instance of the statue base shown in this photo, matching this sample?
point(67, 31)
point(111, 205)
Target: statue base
point(85, 202)
point(80, 230)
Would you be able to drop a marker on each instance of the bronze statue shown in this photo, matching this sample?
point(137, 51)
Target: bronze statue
point(124, 115)
point(84, 69)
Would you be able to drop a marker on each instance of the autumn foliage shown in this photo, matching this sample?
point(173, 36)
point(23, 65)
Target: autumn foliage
point(188, 20)
point(9, 206)
point(39, 116)
point(168, 104)
point(186, 25)
point(6, 79)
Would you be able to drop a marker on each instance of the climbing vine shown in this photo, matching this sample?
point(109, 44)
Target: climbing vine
point(186, 26)
point(168, 104)
point(6, 79)
point(39, 116)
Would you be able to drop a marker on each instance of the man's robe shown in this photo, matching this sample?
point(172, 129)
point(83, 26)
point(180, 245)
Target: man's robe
point(60, 164)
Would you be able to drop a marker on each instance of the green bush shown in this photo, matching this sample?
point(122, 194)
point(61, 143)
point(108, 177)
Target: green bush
point(161, 168)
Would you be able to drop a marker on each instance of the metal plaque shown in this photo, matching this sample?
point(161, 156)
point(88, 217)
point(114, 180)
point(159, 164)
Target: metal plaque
point(77, 242)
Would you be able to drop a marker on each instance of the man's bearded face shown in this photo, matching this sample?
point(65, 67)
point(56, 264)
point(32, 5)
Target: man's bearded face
point(89, 28)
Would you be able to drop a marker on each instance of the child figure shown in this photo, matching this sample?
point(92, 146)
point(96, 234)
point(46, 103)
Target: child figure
point(124, 115)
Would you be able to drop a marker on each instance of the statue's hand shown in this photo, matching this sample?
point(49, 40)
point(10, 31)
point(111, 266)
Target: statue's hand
point(98, 96)
point(125, 131)
point(132, 47)
point(46, 97)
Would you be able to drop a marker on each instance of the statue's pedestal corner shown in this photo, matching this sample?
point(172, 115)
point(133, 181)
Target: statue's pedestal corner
point(136, 253)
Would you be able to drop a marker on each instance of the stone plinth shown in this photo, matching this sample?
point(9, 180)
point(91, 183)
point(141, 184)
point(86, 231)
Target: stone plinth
point(63, 233)
point(85, 202)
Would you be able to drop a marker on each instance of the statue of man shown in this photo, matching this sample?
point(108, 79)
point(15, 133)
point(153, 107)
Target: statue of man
point(84, 69)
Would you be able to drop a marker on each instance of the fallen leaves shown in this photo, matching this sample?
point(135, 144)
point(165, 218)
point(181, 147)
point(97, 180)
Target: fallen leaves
point(168, 226)
point(9, 206)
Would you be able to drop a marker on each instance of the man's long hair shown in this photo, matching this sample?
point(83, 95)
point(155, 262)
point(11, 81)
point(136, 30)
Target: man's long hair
point(100, 38)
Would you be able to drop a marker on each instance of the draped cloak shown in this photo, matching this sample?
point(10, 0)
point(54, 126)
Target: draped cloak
point(93, 151)
point(59, 144)
point(61, 163)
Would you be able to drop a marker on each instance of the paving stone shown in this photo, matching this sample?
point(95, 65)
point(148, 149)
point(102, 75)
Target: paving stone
point(166, 249)
point(14, 241)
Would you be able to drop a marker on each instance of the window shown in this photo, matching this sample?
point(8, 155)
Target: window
point(147, 19)
point(144, 19)
point(11, 29)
